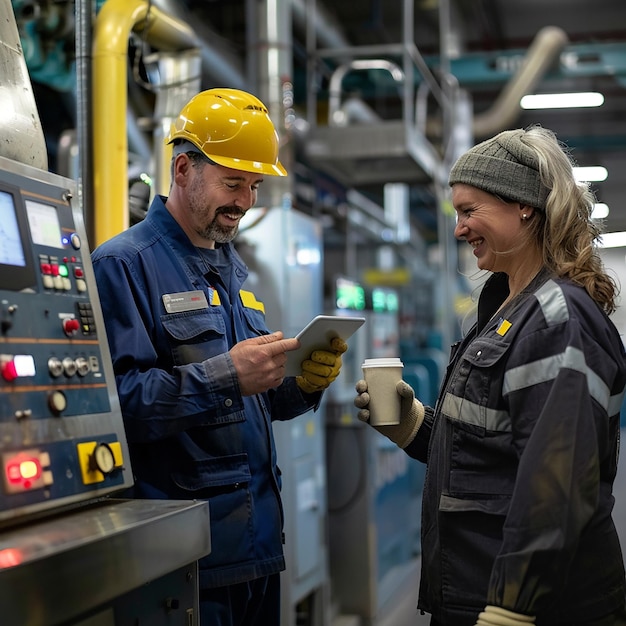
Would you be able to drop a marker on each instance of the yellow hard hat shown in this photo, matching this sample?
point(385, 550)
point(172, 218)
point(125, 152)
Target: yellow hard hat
point(232, 128)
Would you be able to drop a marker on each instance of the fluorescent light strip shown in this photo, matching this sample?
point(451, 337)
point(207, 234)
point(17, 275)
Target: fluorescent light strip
point(591, 174)
point(562, 100)
point(600, 211)
point(612, 240)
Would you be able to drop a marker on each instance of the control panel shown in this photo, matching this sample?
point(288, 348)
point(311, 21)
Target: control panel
point(61, 432)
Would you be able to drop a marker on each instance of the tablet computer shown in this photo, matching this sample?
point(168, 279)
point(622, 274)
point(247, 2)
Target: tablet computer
point(316, 335)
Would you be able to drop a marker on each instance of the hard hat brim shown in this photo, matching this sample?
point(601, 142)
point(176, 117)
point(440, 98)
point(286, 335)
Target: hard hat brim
point(269, 169)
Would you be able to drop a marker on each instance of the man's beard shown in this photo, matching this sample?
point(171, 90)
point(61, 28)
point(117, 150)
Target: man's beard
point(217, 233)
point(213, 231)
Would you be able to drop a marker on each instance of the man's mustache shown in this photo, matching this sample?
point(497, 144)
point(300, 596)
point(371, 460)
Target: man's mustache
point(232, 210)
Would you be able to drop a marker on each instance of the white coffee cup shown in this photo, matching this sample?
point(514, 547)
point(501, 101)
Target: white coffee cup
point(382, 376)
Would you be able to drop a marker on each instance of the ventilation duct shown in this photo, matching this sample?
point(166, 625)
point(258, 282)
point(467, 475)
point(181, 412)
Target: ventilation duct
point(542, 53)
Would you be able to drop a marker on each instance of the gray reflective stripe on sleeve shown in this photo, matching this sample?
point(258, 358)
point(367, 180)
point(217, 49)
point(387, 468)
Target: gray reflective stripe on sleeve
point(547, 369)
point(552, 302)
point(471, 413)
point(554, 308)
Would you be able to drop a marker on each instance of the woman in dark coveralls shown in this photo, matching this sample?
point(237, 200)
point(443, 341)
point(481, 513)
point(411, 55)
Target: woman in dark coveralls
point(522, 444)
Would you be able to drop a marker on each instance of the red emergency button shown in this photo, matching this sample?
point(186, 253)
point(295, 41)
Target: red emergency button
point(9, 370)
point(24, 471)
point(17, 365)
point(71, 326)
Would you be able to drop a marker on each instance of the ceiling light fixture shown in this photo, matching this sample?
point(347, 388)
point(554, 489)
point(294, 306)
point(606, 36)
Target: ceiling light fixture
point(592, 174)
point(562, 100)
point(612, 240)
point(600, 211)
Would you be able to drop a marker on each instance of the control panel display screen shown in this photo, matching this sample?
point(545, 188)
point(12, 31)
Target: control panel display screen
point(11, 249)
point(44, 224)
point(17, 271)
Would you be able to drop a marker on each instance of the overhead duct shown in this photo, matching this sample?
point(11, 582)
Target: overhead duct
point(542, 53)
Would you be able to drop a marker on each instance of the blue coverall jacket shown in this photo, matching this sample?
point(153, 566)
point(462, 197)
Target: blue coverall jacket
point(522, 453)
point(170, 321)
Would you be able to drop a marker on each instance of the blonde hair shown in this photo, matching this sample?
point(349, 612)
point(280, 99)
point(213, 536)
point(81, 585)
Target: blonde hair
point(565, 232)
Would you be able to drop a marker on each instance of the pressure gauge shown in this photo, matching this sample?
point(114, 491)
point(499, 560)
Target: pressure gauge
point(103, 458)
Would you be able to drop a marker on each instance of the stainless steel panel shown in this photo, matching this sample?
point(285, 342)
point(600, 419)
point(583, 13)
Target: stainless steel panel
point(58, 569)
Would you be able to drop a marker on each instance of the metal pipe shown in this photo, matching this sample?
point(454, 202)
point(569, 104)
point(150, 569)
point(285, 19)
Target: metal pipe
point(275, 88)
point(218, 63)
point(336, 80)
point(179, 81)
point(84, 132)
point(544, 50)
point(114, 23)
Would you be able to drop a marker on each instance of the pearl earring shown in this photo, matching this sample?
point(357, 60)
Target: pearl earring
point(524, 216)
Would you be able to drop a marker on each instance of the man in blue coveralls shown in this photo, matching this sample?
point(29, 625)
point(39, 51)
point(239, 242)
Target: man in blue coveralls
point(200, 377)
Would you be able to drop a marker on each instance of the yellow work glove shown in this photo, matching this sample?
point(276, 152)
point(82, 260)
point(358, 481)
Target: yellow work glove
point(411, 413)
point(322, 367)
point(497, 616)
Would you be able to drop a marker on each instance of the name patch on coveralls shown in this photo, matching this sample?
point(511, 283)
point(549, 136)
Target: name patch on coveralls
point(184, 301)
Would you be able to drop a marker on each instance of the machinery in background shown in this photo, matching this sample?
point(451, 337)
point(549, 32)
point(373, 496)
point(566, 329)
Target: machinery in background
point(374, 488)
point(71, 553)
point(65, 543)
point(283, 250)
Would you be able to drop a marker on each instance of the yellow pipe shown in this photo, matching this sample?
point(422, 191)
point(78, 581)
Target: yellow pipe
point(115, 21)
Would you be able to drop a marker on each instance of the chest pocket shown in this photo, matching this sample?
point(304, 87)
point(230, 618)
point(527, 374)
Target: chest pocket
point(474, 396)
point(253, 313)
point(195, 336)
point(480, 457)
point(485, 352)
point(255, 320)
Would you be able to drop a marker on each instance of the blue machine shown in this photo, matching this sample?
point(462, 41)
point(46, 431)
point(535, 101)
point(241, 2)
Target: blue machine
point(65, 540)
point(62, 438)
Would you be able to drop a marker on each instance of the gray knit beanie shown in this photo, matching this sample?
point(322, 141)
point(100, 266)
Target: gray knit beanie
point(504, 165)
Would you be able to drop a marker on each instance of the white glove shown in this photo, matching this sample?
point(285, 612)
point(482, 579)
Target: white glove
point(497, 616)
point(411, 413)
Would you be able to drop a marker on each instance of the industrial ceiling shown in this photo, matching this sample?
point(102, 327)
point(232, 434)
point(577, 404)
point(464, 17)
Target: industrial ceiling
point(482, 42)
point(478, 48)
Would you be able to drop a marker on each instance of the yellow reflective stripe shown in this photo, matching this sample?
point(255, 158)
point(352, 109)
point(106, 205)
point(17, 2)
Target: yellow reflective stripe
point(248, 299)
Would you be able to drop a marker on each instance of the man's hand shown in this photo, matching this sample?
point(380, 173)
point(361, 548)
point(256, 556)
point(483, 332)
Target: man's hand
point(322, 367)
point(260, 362)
